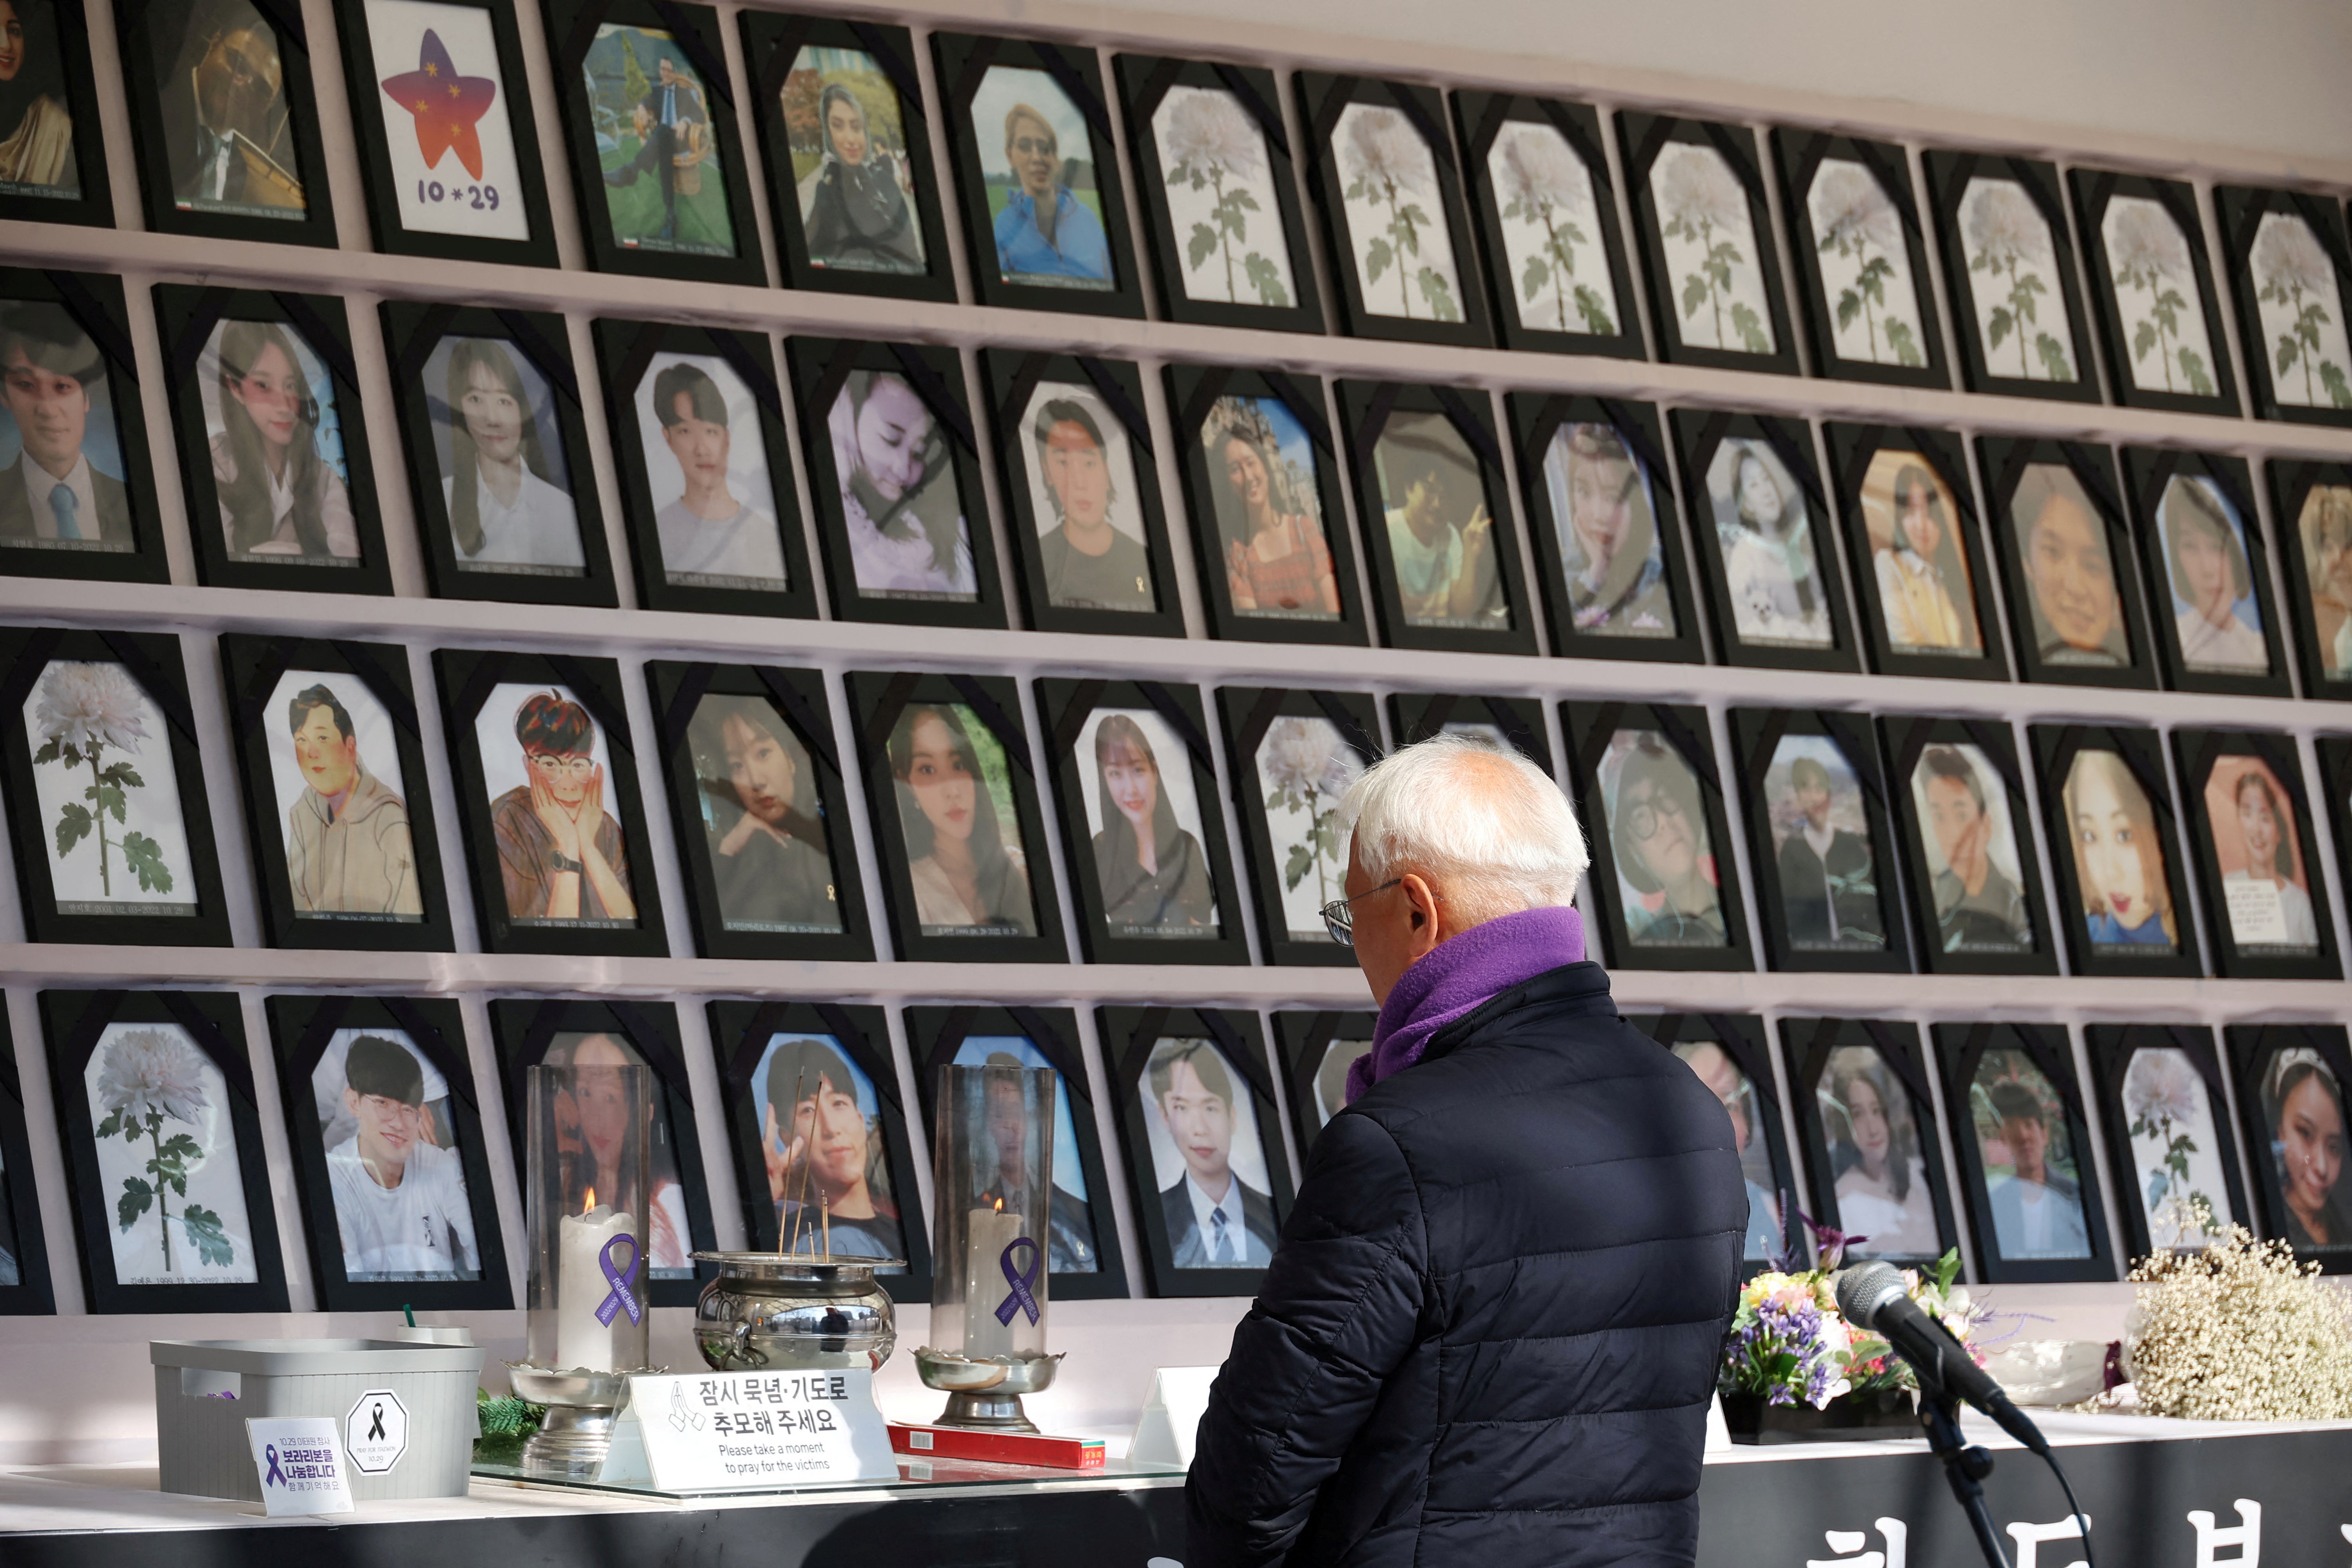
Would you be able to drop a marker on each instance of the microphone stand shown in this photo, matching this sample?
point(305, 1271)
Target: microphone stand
point(1965, 1464)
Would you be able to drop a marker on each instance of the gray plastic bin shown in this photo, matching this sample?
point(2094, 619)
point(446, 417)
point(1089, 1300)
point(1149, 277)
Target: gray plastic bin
point(206, 1390)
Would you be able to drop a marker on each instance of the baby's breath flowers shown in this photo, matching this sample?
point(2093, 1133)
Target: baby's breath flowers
point(2240, 1332)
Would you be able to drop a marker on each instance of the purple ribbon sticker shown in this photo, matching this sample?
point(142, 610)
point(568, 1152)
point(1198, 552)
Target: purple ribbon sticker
point(1021, 1299)
point(620, 1296)
point(276, 1478)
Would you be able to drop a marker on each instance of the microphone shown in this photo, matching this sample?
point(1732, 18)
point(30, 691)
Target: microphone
point(1872, 1297)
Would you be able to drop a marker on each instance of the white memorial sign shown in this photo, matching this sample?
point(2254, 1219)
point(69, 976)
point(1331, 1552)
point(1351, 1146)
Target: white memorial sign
point(376, 1433)
point(755, 1431)
point(301, 1468)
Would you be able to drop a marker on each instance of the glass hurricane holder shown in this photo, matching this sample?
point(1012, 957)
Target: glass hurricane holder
point(992, 1183)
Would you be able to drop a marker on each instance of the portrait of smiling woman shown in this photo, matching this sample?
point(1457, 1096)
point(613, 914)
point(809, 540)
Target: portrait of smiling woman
point(1047, 230)
point(1277, 563)
point(1147, 860)
point(2303, 1105)
point(276, 450)
point(856, 211)
point(2119, 856)
point(2215, 616)
point(37, 150)
point(1609, 543)
point(899, 503)
point(509, 504)
point(969, 877)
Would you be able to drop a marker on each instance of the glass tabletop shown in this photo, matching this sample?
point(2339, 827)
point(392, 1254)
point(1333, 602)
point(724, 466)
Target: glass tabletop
point(916, 1473)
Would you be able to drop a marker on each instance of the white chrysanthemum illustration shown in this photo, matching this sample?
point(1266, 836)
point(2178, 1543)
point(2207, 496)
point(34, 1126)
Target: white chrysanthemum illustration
point(1207, 130)
point(1702, 203)
point(1307, 768)
point(2295, 284)
point(1540, 170)
point(2287, 255)
point(1696, 188)
point(2142, 238)
point(91, 704)
point(1210, 145)
point(2163, 1097)
point(2007, 237)
point(152, 1071)
point(1389, 168)
point(1854, 222)
point(1545, 188)
point(82, 711)
point(146, 1077)
point(2148, 256)
point(2161, 1087)
point(1380, 146)
point(1849, 206)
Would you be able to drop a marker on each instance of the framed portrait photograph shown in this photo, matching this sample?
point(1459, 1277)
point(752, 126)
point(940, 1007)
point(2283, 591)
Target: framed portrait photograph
point(595, 1138)
point(386, 1129)
point(164, 1166)
point(893, 474)
point(1547, 209)
point(1381, 170)
point(497, 455)
point(1445, 554)
point(2152, 292)
point(1600, 508)
point(2217, 630)
point(2009, 270)
point(1143, 833)
point(698, 437)
point(1726, 1051)
point(77, 491)
point(2123, 898)
point(822, 1155)
point(2291, 1081)
point(2025, 1154)
point(1861, 254)
point(2167, 1120)
point(2311, 502)
point(2066, 560)
point(1219, 193)
point(1767, 549)
point(1074, 465)
point(223, 120)
point(1262, 485)
point(1967, 840)
point(52, 158)
point(1702, 221)
point(1926, 602)
point(447, 142)
point(336, 801)
point(1316, 1050)
point(650, 114)
point(1819, 840)
point(106, 793)
point(1504, 723)
point(26, 1288)
point(1205, 1163)
point(1082, 1252)
point(1293, 754)
point(851, 188)
point(547, 793)
point(273, 453)
point(1663, 878)
point(957, 823)
point(1868, 1125)
point(761, 811)
point(2257, 858)
point(1037, 167)
point(2290, 277)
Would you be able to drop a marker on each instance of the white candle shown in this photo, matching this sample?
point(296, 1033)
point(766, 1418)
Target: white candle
point(581, 1288)
point(986, 1236)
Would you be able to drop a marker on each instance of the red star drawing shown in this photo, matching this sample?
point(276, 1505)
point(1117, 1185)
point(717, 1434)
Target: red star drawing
point(447, 106)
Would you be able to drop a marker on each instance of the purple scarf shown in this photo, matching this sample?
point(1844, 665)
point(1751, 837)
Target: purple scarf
point(1459, 974)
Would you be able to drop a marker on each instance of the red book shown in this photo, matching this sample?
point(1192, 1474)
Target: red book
point(998, 1447)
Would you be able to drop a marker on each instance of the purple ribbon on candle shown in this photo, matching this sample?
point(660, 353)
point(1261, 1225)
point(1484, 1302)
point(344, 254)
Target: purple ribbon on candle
point(620, 1296)
point(276, 1478)
point(1021, 1299)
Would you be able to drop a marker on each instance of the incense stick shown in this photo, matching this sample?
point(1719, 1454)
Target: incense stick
point(797, 1077)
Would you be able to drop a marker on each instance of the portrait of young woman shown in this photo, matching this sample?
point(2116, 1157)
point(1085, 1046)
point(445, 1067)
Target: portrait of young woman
point(965, 860)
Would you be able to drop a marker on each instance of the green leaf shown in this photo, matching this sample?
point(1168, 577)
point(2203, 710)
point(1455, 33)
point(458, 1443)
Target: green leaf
point(48, 753)
point(137, 1198)
point(74, 823)
point(1996, 326)
point(1200, 246)
point(1301, 861)
point(121, 775)
point(1377, 259)
point(145, 856)
point(1906, 346)
point(1538, 274)
point(1595, 312)
point(109, 1127)
point(212, 1243)
point(1695, 292)
point(1412, 220)
point(1750, 326)
point(110, 801)
point(2193, 365)
point(1266, 279)
point(2287, 351)
point(1182, 173)
point(1242, 199)
point(2339, 390)
point(1519, 208)
point(1356, 193)
point(2053, 357)
point(2143, 339)
point(180, 1146)
point(1849, 306)
point(1440, 295)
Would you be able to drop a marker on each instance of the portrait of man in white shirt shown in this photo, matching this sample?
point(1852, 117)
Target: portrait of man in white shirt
point(401, 1206)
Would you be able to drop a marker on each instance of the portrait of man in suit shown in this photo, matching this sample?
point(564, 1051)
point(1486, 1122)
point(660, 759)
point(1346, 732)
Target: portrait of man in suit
point(48, 370)
point(2036, 1211)
point(665, 120)
point(1216, 1220)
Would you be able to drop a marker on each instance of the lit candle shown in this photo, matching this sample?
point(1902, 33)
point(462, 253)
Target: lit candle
point(581, 1288)
point(986, 1236)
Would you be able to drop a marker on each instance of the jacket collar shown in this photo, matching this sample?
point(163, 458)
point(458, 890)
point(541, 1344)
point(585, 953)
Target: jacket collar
point(1580, 987)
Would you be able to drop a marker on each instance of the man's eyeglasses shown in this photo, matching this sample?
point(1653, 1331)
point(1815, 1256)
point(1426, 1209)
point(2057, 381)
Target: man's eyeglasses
point(1340, 920)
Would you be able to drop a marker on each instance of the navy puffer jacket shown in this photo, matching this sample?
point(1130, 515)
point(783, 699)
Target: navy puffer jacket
point(1489, 1338)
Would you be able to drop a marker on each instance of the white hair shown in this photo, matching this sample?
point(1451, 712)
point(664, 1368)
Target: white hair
point(1487, 824)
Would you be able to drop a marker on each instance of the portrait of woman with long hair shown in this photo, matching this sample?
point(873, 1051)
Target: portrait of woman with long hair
point(597, 1141)
point(968, 880)
point(1278, 562)
point(854, 208)
point(1881, 1181)
point(2118, 854)
point(37, 146)
point(278, 495)
point(2303, 1105)
point(1154, 878)
point(1914, 592)
point(2268, 905)
point(1609, 543)
point(900, 505)
point(759, 813)
point(820, 1140)
point(508, 505)
point(1764, 535)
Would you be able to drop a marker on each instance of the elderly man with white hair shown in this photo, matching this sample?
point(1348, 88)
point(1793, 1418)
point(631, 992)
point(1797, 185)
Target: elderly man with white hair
point(1490, 1335)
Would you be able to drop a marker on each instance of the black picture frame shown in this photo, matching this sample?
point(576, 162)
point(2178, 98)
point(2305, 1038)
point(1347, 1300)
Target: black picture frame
point(1797, 156)
point(1541, 422)
point(1643, 139)
point(467, 679)
point(2240, 210)
point(741, 1034)
point(1129, 1035)
point(1249, 713)
point(625, 351)
point(90, 203)
point(156, 100)
point(2199, 752)
point(1194, 393)
point(2334, 781)
point(772, 44)
point(1978, 937)
point(796, 702)
point(2008, 462)
point(152, 663)
point(1960, 1050)
point(2150, 476)
point(1367, 411)
point(94, 305)
point(963, 61)
point(29, 1294)
point(1589, 729)
point(1415, 716)
point(1324, 99)
point(2304, 505)
point(1950, 176)
point(303, 1029)
point(375, 674)
point(2112, 1048)
point(1857, 453)
point(2095, 192)
point(877, 701)
point(821, 370)
point(573, 30)
point(935, 1035)
point(2253, 1050)
point(2055, 748)
point(1064, 708)
point(1302, 1047)
point(74, 1022)
point(1739, 1037)
point(1111, 394)
point(365, 79)
point(413, 334)
point(523, 1030)
point(1144, 83)
point(1809, 1049)
point(1756, 735)
point(1699, 438)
